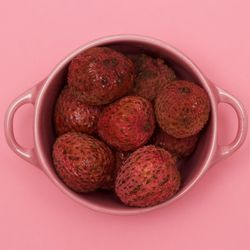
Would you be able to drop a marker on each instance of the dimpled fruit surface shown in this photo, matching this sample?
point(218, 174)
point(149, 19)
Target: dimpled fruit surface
point(71, 114)
point(180, 147)
point(81, 161)
point(182, 108)
point(151, 75)
point(127, 123)
point(148, 177)
point(101, 75)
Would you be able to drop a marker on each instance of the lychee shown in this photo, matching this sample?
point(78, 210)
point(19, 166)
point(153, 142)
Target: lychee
point(148, 177)
point(101, 75)
point(182, 108)
point(151, 75)
point(179, 147)
point(71, 114)
point(127, 123)
point(81, 161)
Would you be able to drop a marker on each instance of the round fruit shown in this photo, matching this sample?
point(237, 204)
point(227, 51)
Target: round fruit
point(101, 75)
point(127, 124)
point(152, 75)
point(182, 108)
point(82, 161)
point(180, 147)
point(71, 114)
point(148, 177)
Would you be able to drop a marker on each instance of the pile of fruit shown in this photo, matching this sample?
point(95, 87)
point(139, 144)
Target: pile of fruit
point(123, 122)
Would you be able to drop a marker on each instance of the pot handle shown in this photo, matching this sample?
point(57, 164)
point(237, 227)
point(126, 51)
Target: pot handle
point(28, 96)
point(224, 151)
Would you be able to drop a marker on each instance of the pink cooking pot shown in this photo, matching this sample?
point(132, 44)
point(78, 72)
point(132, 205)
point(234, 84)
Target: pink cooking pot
point(44, 94)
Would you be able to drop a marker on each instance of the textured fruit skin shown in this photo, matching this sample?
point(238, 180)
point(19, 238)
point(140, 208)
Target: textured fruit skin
point(71, 114)
point(182, 108)
point(101, 75)
point(127, 123)
point(81, 161)
point(151, 75)
point(148, 177)
point(120, 158)
point(179, 147)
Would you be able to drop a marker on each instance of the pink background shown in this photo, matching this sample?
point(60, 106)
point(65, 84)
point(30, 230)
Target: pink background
point(35, 35)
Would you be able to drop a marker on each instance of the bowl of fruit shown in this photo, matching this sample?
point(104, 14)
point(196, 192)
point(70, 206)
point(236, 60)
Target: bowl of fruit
point(125, 124)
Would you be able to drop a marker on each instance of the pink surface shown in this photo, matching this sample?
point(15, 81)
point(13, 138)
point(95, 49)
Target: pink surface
point(34, 214)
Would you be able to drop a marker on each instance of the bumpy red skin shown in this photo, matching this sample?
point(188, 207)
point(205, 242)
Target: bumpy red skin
point(81, 161)
point(182, 108)
point(71, 114)
point(101, 75)
point(179, 147)
point(127, 123)
point(148, 177)
point(120, 158)
point(151, 75)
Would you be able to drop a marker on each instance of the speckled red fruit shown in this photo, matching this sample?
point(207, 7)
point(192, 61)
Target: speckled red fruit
point(71, 114)
point(148, 177)
point(152, 75)
point(179, 147)
point(101, 75)
point(127, 123)
point(82, 161)
point(182, 108)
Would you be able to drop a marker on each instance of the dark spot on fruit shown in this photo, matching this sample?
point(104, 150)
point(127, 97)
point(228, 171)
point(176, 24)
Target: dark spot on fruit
point(147, 74)
point(73, 158)
point(120, 78)
point(114, 61)
point(104, 81)
point(185, 121)
point(184, 90)
point(164, 181)
point(106, 50)
point(135, 190)
point(147, 127)
point(110, 62)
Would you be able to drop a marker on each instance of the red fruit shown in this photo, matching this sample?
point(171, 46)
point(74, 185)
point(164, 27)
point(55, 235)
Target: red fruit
point(101, 75)
point(81, 161)
point(152, 75)
point(148, 177)
point(71, 114)
point(182, 108)
point(179, 147)
point(127, 124)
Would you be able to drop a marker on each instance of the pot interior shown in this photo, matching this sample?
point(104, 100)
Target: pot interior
point(190, 169)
